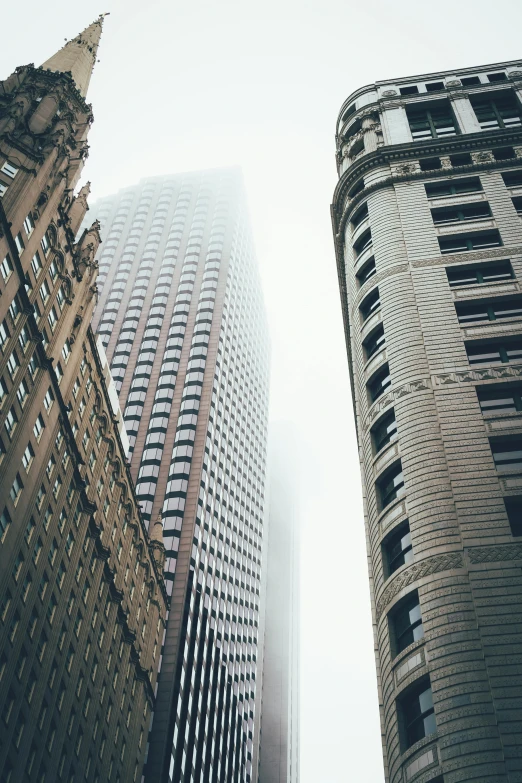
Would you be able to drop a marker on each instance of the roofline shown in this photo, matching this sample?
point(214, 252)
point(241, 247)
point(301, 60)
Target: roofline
point(425, 76)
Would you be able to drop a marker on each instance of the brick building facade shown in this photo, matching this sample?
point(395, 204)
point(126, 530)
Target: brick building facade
point(82, 597)
point(428, 232)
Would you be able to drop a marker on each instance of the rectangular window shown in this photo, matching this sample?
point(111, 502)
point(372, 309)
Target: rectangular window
point(366, 272)
point(460, 243)
point(19, 242)
point(431, 121)
point(66, 350)
point(495, 272)
point(44, 292)
point(406, 623)
point(473, 211)
point(48, 399)
point(5, 521)
point(398, 550)
point(418, 716)
point(370, 304)
point(23, 338)
point(497, 309)
point(11, 421)
point(16, 489)
point(494, 352)
point(15, 308)
point(453, 187)
point(39, 427)
point(9, 169)
point(512, 179)
point(22, 393)
point(507, 454)
point(374, 342)
point(45, 244)
point(36, 264)
point(52, 318)
point(384, 431)
point(500, 110)
point(6, 268)
point(28, 225)
point(363, 243)
point(379, 382)
point(391, 485)
point(13, 363)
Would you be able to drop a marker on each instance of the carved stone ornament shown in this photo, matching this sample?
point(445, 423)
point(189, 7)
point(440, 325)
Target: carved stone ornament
point(482, 157)
point(454, 83)
point(389, 93)
point(515, 74)
point(407, 168)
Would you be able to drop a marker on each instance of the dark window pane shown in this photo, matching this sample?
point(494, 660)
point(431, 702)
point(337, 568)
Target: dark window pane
point(499, 111)
point(391, 485)
point(453, 187)
point(398, 549)
point(470, 80)
point(379, 383)
point(514, 512)
point(370, 304)
point(419, 716)
point(462, 242)
point(384, 431)
point(479, 273)
point(374, 342)
point(407, 622)
point(463, 212)
point(367, 271)
point(507, 454)
point(505, 399)
point(512, 179)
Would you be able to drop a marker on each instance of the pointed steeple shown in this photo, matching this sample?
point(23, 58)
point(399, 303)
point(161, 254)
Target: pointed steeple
point(78, 56)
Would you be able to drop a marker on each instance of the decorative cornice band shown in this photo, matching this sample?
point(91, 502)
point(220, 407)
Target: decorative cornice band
point(447, 562)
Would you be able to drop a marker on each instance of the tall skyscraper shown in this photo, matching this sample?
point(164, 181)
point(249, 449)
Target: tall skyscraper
point(279, 719)
point(182, 317)
point(82, 596)
point(428, 232)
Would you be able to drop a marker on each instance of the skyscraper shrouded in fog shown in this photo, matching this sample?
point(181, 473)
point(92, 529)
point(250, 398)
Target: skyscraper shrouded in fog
point(182, 318)
point(428, 232)
point(82, 596)
point(279, 713)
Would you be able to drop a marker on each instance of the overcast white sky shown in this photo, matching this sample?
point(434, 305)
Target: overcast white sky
point(199, 84)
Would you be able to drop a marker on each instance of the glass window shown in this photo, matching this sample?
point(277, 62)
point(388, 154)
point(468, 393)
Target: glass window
point(379, 382)
point(507, 454)
point(495, 272)
point(453, 187)
point(489, 310)
point(391, 485)
point(460, 243)
point(494, 352)
point(384, 431)
point(418, 714)
point(504, 399)
point(407, 623)
point(370, 304)
point(512, 179)
point(374, 342)
point(398, 549)
point(6, 268)
point(497, 111)
point(435, 121)
point(473, 211)
point(363, 243)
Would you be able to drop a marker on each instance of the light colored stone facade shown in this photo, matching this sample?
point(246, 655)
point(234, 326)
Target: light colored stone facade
point(466, 554)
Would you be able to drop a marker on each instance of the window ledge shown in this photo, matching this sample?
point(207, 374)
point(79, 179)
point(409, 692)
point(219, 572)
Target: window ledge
point(463, 226)
point(381, 460)
point(412, 754)
point(372, 321)
point(390, 514)
point(457, 198)
point(412, 648)
point(479, 290)
point(374, 363)
point(483, 324)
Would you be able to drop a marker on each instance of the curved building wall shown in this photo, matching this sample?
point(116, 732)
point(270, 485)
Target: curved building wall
point(428, 237)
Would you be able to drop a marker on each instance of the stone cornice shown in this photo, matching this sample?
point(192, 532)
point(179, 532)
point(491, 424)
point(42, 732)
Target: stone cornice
point(413, 151)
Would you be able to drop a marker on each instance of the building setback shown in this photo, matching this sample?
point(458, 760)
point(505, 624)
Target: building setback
point(279, 731)
point(82, 599)
point(428, 232)
point(182, 318)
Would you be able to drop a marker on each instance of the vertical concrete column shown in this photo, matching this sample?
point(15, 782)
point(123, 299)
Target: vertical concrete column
point(372, 130)
point(396, 129)
point(464, 114)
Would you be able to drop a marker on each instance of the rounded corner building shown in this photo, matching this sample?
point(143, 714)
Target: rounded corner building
point(427, 218)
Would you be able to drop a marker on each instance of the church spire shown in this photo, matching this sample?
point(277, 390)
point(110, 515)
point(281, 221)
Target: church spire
point(78, 56)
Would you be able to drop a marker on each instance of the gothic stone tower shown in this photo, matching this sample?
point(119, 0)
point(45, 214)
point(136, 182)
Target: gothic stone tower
point(428, 234)
point(82, 601)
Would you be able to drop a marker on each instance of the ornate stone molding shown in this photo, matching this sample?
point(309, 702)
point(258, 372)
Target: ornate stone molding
point(479, 255)
point(472, 376)
point(432, 565)
point(495, 554)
